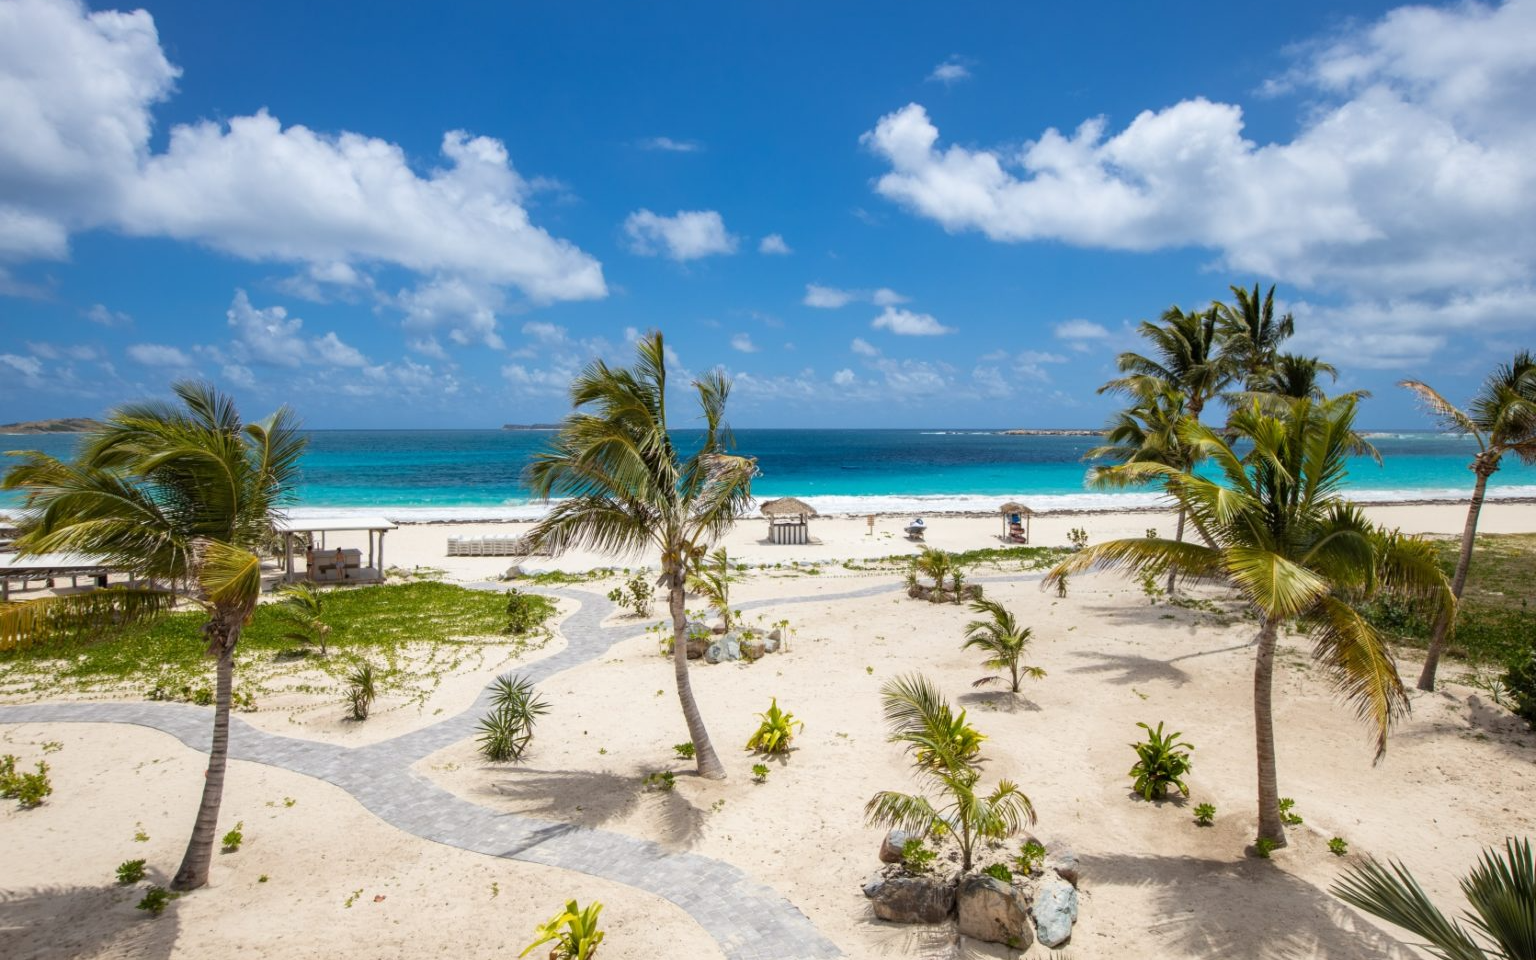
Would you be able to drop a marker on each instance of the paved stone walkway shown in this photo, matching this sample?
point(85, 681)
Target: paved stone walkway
point(749, 920)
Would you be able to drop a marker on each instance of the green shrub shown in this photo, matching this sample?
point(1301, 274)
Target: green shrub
point(1520, 681)
point(27, 789)
point(684, 751)
point(156, 899)
point(759, 773)
point(361, 691)
point(234, 838)
point(573, 931)
point(1264, 847)
point(1078, 537)
point(1030, 857)
point(998, 872)
point(1338, 847)
point(916, 857)
point(1287, 812)
point(526, 612)
point(1205, 814)
point(660, 780)
point(777, 729)
point(130, 871)
point(1161, 762)
point(636, 594)
point(508, 729)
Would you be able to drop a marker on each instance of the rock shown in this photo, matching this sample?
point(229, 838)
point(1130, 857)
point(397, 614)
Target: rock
point(697, 628)
point(727, 647)
point(1055, 911)
point(904, 899)
point(891, 846)
point(1063, 860)
point(753, 649)
point(772, 642)
point(993, 911)
point(718, 629)
point(513, 572)
point(776, 634)
point(697, 646)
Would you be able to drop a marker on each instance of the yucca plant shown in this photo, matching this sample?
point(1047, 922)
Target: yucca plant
point(184, 496)
point(1001, 637)
point(573, 931)
point(361, 691)
point(1501, 890)
point(777, 729)
point(1277, 529)
point(950, 767)
point(507, 730)
point(1161, 762)
point(302, 611)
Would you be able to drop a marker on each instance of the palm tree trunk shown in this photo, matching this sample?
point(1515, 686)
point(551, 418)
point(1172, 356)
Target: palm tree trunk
point(709, 764)
point(1178, 536)
point(193, 872)
point(1270, 826)
point(1459, 581)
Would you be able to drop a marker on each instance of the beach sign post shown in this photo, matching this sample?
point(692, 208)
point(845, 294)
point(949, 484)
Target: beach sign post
point(871, 519)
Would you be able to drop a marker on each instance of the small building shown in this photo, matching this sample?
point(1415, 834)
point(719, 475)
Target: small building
point(334, 564)
point(1016, 521)
point(789, 520)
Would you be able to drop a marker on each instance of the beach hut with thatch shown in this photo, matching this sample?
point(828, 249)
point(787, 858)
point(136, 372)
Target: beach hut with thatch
point(789, 520)
point(1016, 521)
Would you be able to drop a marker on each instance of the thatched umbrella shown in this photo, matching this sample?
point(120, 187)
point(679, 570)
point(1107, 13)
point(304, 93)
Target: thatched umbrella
point(1013, 509)
point(788, 519)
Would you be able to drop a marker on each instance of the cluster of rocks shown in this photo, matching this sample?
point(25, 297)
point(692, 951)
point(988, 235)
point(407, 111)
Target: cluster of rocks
point(715, 644)
point(920, 591)
point(1041, 905)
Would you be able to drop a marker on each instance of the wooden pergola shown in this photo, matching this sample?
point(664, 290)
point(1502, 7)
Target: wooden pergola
point(1015, 520)
point(338, 565)
point(789, 520)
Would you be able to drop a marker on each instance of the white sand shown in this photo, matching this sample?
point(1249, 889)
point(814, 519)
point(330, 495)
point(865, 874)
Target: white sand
point(1458, 776)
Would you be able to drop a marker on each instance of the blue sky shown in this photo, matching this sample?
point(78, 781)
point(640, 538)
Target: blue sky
point(870, 214)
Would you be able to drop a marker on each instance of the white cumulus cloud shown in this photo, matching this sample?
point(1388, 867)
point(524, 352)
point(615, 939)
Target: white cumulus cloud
point(743, 342)
point(158, 355)
point(950, 71)
point(774, 245)
point(909, 324)
point(270, 336)
point(686, 235)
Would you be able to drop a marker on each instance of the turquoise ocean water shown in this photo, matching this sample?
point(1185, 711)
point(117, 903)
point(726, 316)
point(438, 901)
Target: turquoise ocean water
point(475, 474)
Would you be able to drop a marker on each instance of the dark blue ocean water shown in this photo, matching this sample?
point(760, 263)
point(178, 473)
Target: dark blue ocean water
point(420, 474)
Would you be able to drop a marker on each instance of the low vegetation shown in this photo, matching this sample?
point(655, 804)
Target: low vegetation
point(130, 872)
point(27, 789)
point(775, 731)
point(636, 593)
point(362, 689)
point(1161, 762)
point(998, 634)
point(573, 931)
point(526, 612)
point(507, 730)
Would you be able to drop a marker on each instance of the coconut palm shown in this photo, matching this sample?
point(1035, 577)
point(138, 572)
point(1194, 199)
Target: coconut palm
point(1187, 356)
point(949, 765)
point(303, 613)
point(1284, 537)
point(1501, 890)
point(1251, 335)
point(623, 487)
point(1502, 418)
point(937, 565)
point(712, 581)
point(183, 495)
point(1294, 375)
point(1003, 640)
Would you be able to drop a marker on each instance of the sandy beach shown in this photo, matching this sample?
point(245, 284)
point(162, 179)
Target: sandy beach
point(1454, 779)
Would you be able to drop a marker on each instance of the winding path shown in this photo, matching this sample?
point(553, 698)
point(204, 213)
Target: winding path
point(748, 919)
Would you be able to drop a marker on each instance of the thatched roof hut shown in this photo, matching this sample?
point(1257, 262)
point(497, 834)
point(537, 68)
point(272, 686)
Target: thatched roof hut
point(788, 520)
point(1016, 521)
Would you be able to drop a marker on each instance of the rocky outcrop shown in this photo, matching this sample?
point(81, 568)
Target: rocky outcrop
point(1055, 910)
point(993, 911)
point(900, 898)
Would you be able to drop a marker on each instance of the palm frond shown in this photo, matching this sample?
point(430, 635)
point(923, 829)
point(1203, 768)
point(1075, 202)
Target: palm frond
point(79, 614)
point(1391, 893)
point(1359, 664)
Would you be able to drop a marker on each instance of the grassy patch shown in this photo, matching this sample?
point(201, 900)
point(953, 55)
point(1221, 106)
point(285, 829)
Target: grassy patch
point(1496, 622)
point(413, 633)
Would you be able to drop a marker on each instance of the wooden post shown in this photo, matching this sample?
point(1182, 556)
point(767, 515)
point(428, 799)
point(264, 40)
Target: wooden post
point(381, 554)
point(370, 548)
point(288, 555)
point(871, 520)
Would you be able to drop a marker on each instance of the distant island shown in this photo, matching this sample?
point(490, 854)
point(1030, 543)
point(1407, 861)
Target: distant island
point(1051, 433)
point(530, 426)
point(65, 425)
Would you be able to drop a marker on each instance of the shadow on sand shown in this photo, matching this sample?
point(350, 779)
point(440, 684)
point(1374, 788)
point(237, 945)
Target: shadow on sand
point(52, 923)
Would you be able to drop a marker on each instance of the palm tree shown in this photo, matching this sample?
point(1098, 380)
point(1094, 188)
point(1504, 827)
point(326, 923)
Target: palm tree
point(1187, 356)
point(1001, 637)
point(712, 581)
point(185, 495)
point(937, 565)
point(1251, 336)
point(624, 487)
point(303, 611)
point(920, 717)
point(1502, 418)
point(1501, 890)
point(1284, 537)
point(1296, 376)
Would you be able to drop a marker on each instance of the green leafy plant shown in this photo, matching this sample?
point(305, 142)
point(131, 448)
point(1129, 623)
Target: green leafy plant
point(573, 931)
point(526, 612)
point(263, 878)
point(659, 780)
point(946, 759)
point(130, 871)
point(684, 751)
point(1000, 637)
point(711, 579)
point(1287, 812)
point(1161, 762)
point(1264, 846)
point(140, 835)
point(636, 593)
point(234, 838)
point(156, 899)
point(1520, 682)
point(1501, 890)
point(759, 773)
point(777, 729)
point(507, 730)
point(916, 856)
point(303, 613)
point(1338, 846)
point(1205, 814)
point(1030, 857)
point(998, 871)
point(1078, 537)
point(27, 789)
point(361, 691)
